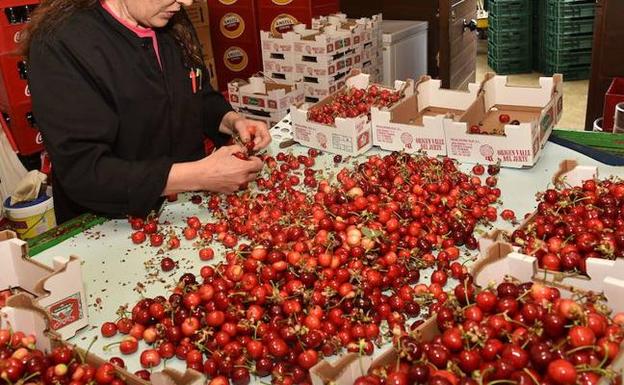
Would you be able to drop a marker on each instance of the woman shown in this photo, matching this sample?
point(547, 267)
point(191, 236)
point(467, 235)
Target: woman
point(123, 101)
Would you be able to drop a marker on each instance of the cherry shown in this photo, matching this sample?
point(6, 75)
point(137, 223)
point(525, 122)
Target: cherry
point(562, 372)
point(108, 329)
point(167, 264)
point(150, 358)
point(138, 237)
point(206, 254)
point(504, 118)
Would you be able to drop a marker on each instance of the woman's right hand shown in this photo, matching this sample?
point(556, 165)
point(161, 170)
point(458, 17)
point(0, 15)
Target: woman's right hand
point(223, 172)
point(220, 172)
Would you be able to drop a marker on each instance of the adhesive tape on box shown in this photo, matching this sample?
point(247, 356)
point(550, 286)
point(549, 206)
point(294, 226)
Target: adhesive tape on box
point(235, 59)
point(283, 23)
point(232, 25)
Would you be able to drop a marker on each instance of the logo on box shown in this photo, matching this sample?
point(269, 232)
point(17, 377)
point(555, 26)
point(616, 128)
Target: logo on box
point(232, 25)
point(66, 311)
point(283, 23)
point(235, 59)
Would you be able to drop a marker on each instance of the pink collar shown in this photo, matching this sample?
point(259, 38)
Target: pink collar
point(138, 30)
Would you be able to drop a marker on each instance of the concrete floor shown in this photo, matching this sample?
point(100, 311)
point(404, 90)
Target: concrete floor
point(574, 92)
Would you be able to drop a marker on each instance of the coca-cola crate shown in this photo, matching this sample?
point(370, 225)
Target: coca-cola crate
point(13, 81)
point(23, 127)
point(14, 14)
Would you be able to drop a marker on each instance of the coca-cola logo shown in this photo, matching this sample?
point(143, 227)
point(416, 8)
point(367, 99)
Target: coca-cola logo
point(235, 59)
point(232, 25)
point(39, 138)
point(27, 91)
point(283, 23)
point(17, 37)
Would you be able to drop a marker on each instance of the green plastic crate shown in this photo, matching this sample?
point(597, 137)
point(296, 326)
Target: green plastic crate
point(573, 57)
point(559, 10)
point(513, 65)
point(567, 26)
point(506, 37)
point(509, 22)
point(519, 48)
point(570, 71)
point(509, 7)
point(568, 42)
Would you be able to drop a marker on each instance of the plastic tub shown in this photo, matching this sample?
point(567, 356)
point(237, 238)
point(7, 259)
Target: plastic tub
point(31, 218)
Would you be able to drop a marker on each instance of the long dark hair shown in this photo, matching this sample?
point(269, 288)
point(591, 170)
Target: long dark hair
point(50, 14)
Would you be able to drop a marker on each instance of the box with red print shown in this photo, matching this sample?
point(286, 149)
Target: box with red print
point(261, 94)
point(346, 136)
point(506, 124)
point(417, 124)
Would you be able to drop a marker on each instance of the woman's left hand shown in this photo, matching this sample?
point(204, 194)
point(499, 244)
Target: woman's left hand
point(247, 128)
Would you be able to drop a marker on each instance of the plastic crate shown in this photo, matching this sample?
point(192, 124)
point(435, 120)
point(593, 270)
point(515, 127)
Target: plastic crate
point(563, 10)
point(512, 65)
point(509, 22)
point(568, 42)
point(508, 36)
point(573, 57)
point(567, 26)
point(509, 7)
point(519, 48)
point(570, 72)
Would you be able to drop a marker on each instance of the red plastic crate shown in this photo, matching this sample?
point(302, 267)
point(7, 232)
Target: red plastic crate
point(233, 23)
point(22, 126)
point(239, 60)
point(281, 19)
point(10, 33)
point(614, 95)
point(13, 81)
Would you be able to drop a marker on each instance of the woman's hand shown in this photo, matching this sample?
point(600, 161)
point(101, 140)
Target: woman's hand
point(221, 172)
point(233, 123)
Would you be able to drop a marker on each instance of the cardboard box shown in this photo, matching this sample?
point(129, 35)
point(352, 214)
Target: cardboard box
point(260, 94)
point(499, 261)
point(198, 13)
point(23, 314)
point(417, 123)
point(537, 109)
point(58, 290)
point(350, 136)
point(281, 15)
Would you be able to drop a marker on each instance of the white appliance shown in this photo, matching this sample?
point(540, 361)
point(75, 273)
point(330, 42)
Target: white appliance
point(404, 50)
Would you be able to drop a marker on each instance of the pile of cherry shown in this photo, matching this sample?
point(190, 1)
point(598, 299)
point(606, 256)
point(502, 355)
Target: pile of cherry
point(573, 224)
point(522, 334)
point(327, 267)
point(353, 102)
point(21, 363)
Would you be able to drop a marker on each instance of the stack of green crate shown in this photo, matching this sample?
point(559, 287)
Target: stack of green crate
point(510, 34)
point(566, 35)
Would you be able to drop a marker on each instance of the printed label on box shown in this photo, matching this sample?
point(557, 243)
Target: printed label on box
point(283, 23)
point(232, 25)
point(66, 311)
point(235, 59)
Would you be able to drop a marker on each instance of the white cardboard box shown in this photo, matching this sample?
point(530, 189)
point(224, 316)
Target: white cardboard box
point(58, 290)
point(417, 123)
point(264, 95)
point(350, 136)
point(537, 108)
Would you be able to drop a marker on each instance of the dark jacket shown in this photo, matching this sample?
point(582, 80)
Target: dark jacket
point(112, 121)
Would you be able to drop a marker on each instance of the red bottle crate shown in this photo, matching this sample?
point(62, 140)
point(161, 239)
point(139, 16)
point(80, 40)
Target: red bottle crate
point(13, 81)
point(238, 60)
point(14, 14)
point(281, 19)
point(232, 24)
point(614, 95)
point(23, 128)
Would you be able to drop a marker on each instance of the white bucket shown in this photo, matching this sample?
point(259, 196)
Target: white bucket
point(598, 125)
point(31, 219)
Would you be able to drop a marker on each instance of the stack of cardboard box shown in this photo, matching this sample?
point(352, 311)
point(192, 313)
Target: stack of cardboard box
point(322, 57)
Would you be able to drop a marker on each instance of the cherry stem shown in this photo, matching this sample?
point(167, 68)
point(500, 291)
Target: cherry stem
point(580, 348)
point(502, 382)
point(528, 372)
